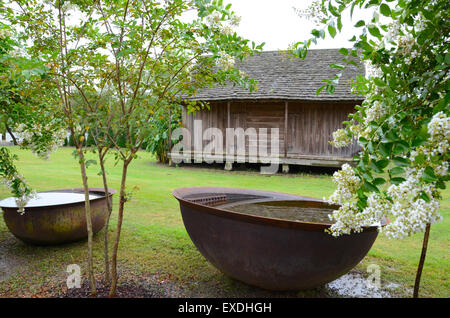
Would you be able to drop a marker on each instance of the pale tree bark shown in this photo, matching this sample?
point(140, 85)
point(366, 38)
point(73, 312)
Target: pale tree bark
point(101, 155)
point(14, 139)
point(422, 261)
point(123, 199)
point(64, 90)
point(88, 214)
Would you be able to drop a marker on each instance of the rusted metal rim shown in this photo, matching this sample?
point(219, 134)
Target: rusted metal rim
point(100, 191)
point(181, 195)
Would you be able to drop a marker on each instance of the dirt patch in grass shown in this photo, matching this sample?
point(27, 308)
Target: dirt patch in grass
point(127, 289)
point(9, 263)
point(351, 285)
point(130, 285)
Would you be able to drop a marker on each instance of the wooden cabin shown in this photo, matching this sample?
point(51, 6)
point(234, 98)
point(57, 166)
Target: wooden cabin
point(285, 99)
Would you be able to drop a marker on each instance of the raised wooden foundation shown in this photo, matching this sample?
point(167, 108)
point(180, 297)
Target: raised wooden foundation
point(317, 161)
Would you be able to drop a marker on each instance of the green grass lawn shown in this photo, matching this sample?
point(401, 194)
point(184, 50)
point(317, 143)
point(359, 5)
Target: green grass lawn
point(155, 243)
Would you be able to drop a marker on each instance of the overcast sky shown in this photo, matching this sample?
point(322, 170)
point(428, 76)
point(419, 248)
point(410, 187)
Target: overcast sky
point(276, 23)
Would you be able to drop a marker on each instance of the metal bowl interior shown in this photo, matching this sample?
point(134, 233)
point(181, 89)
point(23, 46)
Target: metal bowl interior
point(58, 224)
point(270, 253)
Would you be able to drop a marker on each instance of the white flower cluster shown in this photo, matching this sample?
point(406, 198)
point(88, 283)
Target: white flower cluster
point(439, 129)
point(420, 22)
point(315, 13)
point(372, 70)
point(442, 169)
point(235, 20)
point(22, 200)
point(225, 61)
point(411, 212)
point(347, 183)
point(394, 31)
point(214, 21)
point(340, 138)
point(32, 137)
point(4, 34)
point(374, 112)
point(405, 47)
point(403, 40)
point(346, 219)
point(227, 30)
point(410, 205)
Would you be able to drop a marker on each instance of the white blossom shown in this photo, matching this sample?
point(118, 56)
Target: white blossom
point(225, 61)
point(31, 138)
point(4, 34)
point(347, 183)
point(340, 138)
point(235, 20)
point(314, 13)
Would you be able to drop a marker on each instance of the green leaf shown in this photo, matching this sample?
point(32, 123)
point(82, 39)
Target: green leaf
point(397, 180)
point(424, 196)
point(447, 58)
point(385, 10)
point(440, 185)
point(396, 171)
point(333, 10)
point(401, 162)
point(375, 168)
point(363, 141)
point(369, 187)
point(338, 66)
point(385, 149)
point(360, 23)
point(320, 89)
point(401, 147)
point(361, 204)
point(343, 51)
point(420, 159)
point(330, 89)
point(339, 24)
point(373, 29)
point(429, 175)
point(383, 163)
point(379, 82)
point(332, 31)
point(378, 181)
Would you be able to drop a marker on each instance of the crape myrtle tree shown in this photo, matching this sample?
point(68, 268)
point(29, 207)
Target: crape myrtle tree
point(26, 113)
point(403, 126)
point(158, 56)
point(146, 54)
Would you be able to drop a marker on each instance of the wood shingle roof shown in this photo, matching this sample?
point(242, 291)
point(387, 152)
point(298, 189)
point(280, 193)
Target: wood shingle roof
point(285, 77)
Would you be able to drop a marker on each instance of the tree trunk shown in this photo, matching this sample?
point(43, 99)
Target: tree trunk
point(92, 283)
point(112, 291)
point(422, 261)
point(108, 204)
point(12, 135)
point(170, 131)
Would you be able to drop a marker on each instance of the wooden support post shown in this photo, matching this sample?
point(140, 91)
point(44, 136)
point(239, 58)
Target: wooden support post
point(228, 114)
point(228, 166)
point(227, 149)
point(285, 168)
point(286, 111)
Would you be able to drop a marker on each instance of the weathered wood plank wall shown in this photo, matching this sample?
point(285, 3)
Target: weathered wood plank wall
point(309, 124)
